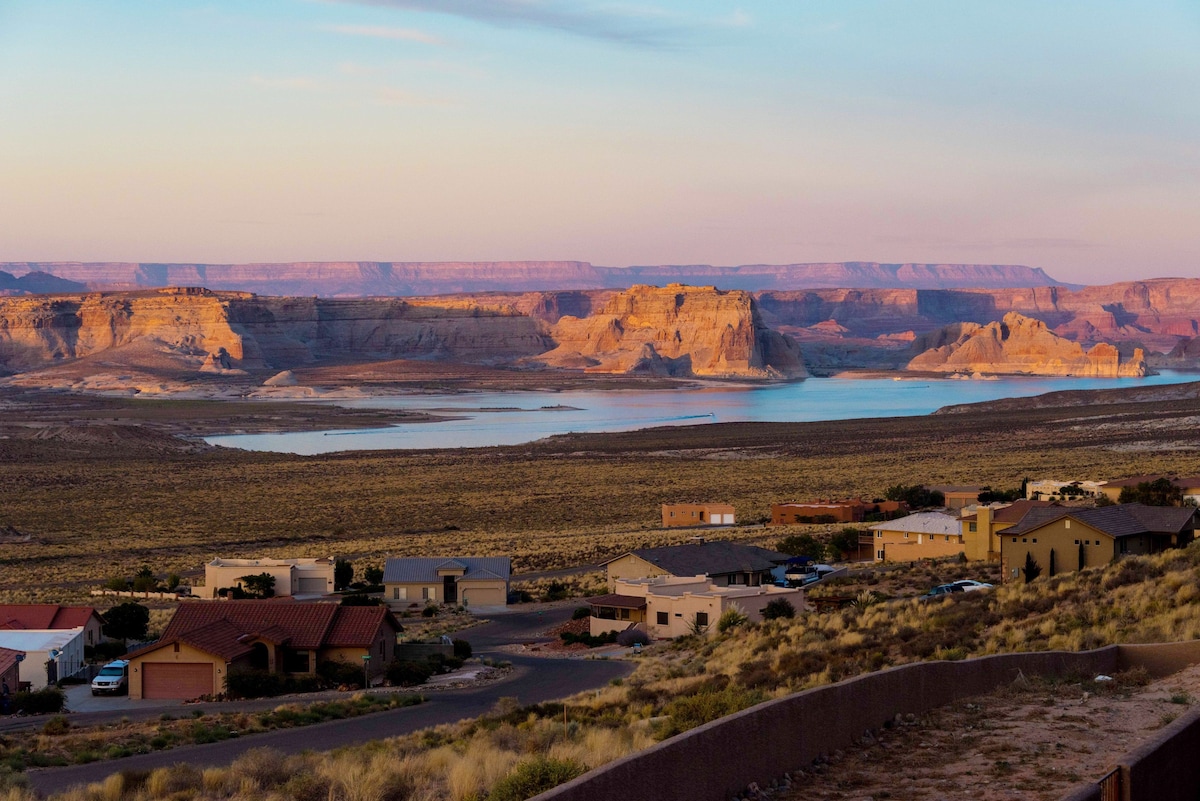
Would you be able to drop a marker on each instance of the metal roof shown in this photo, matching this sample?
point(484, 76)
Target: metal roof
point(922, 523)
point(424, 570)
point(710, 558)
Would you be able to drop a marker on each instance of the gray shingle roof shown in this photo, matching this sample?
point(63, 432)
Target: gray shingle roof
point(711, 558)
point(1120, 520)
point(407, 571)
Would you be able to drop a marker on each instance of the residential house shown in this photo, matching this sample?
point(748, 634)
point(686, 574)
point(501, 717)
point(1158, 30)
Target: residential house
point(922, 535)
point(696, 514)
point(53, 616)
point(672, 606)
point(292, 576)
point(1189, 485)
point(1061, 539)
point(981, 529)
point(50, 654)
point(725, 564)
point(204, 643)
point(472, 581)
point(956, 496)
point(1050, 490)
point(10, 662)
point(851, 511)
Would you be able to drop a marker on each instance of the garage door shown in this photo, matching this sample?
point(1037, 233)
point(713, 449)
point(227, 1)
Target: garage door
point(311, 585)
point(176, 680)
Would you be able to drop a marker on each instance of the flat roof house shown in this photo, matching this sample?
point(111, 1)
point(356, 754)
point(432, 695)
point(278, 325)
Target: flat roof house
point(50, 654)
point(958, 496)
point(696, 514)
point(723, 563)
point(204, 643)
point(472, 581)
point(923, 535)
point(53, 616)
point(292, 576)
point(852, 511)
point(1060, 539)
point(1189, 485)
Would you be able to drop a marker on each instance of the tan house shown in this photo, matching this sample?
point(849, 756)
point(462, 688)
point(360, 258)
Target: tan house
point(958, 496)
point(50, 654)
point(725, 564)
point(671, 606)
point(852, 511)
point(1050, 490)
point(14, 617)
point(1189, 485)
point(292, 576)
point(981, 530)
point(472, 581)
point(1060, 539)
point(204, 643)
point(923, 535)
point(696, 514)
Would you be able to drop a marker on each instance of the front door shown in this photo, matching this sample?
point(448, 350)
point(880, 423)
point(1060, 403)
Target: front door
point(449, 590)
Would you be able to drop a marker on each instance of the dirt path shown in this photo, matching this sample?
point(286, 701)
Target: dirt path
point(1031, 741)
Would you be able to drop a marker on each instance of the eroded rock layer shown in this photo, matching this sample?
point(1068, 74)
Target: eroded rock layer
point(1019, 345)
point(676, 330)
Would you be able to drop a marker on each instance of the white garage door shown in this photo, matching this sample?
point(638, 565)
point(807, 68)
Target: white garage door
point(311, 585)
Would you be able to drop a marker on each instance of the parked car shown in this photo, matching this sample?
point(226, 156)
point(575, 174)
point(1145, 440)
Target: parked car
point(113, 678)
point(800, 574)
point(970, 585)
point(942, 590)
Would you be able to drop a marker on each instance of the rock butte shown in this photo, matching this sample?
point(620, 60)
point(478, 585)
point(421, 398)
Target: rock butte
point(1020, 345)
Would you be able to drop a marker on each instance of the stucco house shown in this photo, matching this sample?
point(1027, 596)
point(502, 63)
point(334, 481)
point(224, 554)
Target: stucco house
point(922, 535)
point(981, 529)
point(472, 581)
point(957, 496)
point(671, 606)
point(50, 654)
point(292, 576)
point(697, 514)
point(1189, 485)
point(52, 616)
point(1063, 539)
point(203, 643)
point(851, 511)
point(1046, 489)
point(723, 563)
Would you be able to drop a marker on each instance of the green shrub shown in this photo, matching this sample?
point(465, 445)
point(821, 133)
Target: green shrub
point(403, 673)
point(730, 619)
point(556, 591)
point(340, 674)
point(534, 776)
point(462, 649)
point(570, 638)
point(779, 608)
point(56, 725)
point(630, 637)
point(47, 701)
point(581, 612)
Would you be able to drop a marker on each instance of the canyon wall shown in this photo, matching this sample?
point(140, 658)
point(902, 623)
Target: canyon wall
point(676, 330)
point(1019, 345)
point(368, 278)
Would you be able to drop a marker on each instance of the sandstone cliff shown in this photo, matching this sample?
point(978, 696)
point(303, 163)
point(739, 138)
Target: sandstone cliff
point(358, 278)
point(1018, 345)
point(676, 330)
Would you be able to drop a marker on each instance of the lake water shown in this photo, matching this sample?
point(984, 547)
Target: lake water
point(512, 418)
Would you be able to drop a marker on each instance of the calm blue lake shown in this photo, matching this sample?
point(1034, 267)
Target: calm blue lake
point(512, 418)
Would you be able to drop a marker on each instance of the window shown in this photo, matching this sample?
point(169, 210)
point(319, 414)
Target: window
point(906, 535)
point(1076, 542)
point(1035, 539)
point(662, 618)
point(381, 649)
point(1024, 539)
point(624, 614)
point(879, 554)
point(672, 514)
point(396, 594)
point(947, 538)
point(1014, 539)
point(176, 647)
point(878, 535)
point(972, 527)
point(702, 618)
point(424, 593)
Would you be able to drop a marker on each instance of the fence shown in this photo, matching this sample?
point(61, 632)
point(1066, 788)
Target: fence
point(782, 735)
point(163, 596)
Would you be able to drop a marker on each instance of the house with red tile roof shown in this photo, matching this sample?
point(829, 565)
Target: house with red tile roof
point(43, 617)
point(204, 643)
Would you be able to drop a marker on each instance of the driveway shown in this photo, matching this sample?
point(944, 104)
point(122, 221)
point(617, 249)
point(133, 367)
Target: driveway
point(533, 680)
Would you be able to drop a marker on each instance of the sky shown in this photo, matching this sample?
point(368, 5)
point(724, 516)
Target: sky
point(1060, 135)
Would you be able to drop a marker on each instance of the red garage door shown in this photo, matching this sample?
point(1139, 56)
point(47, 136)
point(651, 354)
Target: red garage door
point(176, 680)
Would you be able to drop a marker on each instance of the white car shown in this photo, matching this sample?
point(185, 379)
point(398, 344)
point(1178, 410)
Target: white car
point(113, 678)
point(970, 585)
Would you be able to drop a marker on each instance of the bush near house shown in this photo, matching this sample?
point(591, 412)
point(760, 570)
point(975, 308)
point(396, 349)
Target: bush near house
point(46, 701)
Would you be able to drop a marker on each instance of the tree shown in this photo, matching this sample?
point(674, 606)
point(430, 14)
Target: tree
point(144, 580)
point(173, 581)
point(117, 583)
point(127, 621)
point(802, 545)
point(1160, 492)
point(779, 608)
point(343, 574)
point(1032, 568)
point(845, 542)
point(916, 496)
point(988, 495)
point(259, 585)
point(373, 575)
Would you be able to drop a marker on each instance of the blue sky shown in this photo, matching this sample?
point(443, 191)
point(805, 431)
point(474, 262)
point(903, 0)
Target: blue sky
point(1060, 135)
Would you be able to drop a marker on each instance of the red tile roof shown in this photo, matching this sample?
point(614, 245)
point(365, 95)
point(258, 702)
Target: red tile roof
point(45, 616)
point(8, 658)
point(225, 628)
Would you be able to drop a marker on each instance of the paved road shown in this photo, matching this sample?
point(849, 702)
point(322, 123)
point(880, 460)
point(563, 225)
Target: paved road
point(533, 680)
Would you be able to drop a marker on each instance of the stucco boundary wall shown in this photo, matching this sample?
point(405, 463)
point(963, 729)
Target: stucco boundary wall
point(758, 745)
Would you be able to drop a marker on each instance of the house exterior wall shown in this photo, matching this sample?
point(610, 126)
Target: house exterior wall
point(630, 566)
point(908, 546)
point(1064, 536)
point(185, 654)
point(414, 592)
point(981, 536)
point(287, 575)
point(37, 644)
point(483, 593)
point(697, 514)
point(672, 605)
point(12, 676)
